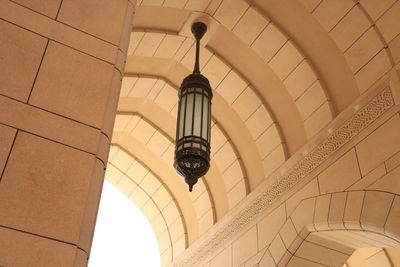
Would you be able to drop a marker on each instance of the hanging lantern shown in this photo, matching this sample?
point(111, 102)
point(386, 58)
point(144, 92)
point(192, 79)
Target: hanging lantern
point(192, 148)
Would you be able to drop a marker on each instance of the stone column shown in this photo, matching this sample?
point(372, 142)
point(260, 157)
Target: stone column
point(61, 65)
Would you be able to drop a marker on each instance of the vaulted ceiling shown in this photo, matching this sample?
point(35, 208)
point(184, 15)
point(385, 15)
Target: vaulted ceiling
point(281, 71)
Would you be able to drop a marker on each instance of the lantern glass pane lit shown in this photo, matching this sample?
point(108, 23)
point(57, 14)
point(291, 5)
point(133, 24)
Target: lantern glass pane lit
point(193, 131)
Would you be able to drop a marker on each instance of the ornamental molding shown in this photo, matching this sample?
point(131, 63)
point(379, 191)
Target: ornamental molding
point(341, 135)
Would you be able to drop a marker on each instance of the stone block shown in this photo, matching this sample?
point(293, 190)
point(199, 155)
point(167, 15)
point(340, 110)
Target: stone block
point(45, 187)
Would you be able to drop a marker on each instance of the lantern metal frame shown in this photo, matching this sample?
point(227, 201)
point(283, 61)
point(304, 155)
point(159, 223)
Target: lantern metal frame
point(192, 151)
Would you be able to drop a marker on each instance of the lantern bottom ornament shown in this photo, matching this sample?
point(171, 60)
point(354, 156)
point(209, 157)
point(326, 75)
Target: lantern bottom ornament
point(191, 162)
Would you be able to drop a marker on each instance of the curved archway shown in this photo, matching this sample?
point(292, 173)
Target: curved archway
point(358, 218)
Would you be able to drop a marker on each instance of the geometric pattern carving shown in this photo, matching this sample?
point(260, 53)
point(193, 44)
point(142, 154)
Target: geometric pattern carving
point(339, 137)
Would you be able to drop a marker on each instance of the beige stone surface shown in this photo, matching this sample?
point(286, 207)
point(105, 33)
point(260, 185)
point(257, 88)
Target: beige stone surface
point(388, 183)
point(277, 249)
point(244, 247)
point(300, 79)
point(375, 210)
point(57, 31)
point(225, 157)
point(106, 25)
point(330, 12)
point(81, 259)
point(47, 7)
point(285, 60)
point(309, 190)
point(341, 174)
point(321, 255)
point(310, 5)
point(369, 179)
point(52, 126)
point(365, 48)
point(322, 205)
point(23, 249)
point(393, 162)
point(246, 103)
point(150, 184)
point(318, 119)
point(179, 246)
point(258, 121)
point(206, 222)
point(231, 86)
point(150, 210)
point(267, 259)
point(300, 262)
point(224, 258)
point(350, 28)
point(312, 98)
point(77, 89)
point(393, 219)
point(19, 45)
point(353, 209)
point(379, 146)
point(269, 42)
point(394, 47)
point(373, 70)
point(255, 259)
point(379, 259)
point(321, 239)
point(268, 141)
point(288, 233)
point(250, 25)
point(387, 25)
point(229, 12)
point(176, 230)
point(336, 210)
point(237, 193)
point(162, 197)
point(166, 257)
point(139, 197)
point(269, 226)
point(273, 160)
point(233, 175)
point(376, 8)
point(38, 183)
point(92, 205)
point(303, 215)
point(7, 135)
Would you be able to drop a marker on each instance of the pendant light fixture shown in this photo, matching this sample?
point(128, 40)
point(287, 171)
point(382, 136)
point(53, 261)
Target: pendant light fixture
point(192, 148)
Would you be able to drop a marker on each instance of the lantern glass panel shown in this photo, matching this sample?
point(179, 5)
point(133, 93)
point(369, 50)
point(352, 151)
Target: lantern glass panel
point(197, 115)
point(205, 118)
point(209, 121)
point(189, 115)
point(181, 116)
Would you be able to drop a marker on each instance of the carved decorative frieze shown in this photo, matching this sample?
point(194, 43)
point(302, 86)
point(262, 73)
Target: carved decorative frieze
point(318, 155)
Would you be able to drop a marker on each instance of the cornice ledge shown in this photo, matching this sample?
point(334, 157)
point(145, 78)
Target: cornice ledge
point(341, 131)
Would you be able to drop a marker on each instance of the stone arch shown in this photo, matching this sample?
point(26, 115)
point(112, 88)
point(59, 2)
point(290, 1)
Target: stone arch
point(369, 214)
point(156, 201)
point(302, 73)
point(363, 32)
point(152, 113)
point(146, 136)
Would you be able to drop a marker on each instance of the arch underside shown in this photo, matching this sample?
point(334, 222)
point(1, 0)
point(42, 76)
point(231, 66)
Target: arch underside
point(310, 238)
point(281, 71)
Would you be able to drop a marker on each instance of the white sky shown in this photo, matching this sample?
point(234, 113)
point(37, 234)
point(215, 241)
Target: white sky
point(123, 237)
